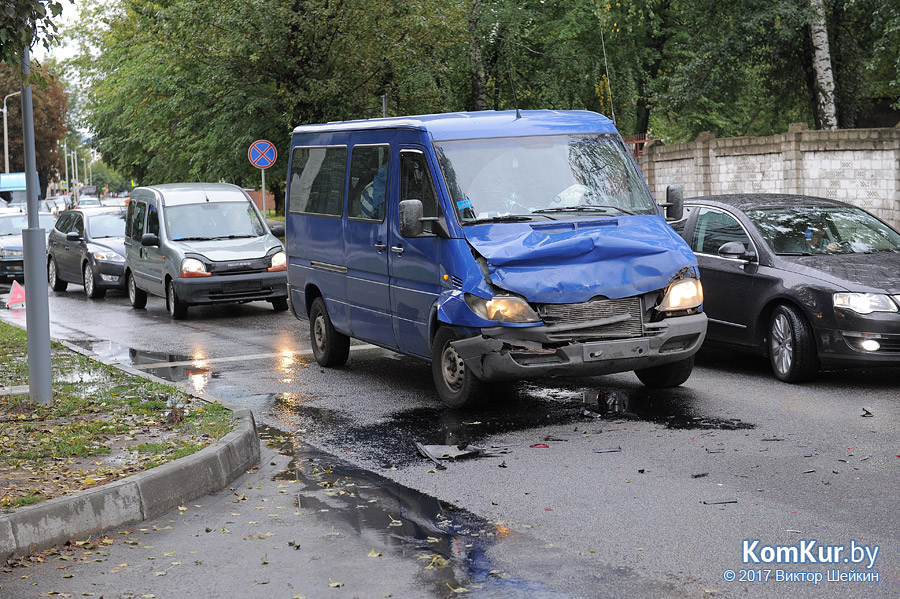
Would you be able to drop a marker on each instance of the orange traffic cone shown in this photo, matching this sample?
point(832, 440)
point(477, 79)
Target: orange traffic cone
point(16, 295)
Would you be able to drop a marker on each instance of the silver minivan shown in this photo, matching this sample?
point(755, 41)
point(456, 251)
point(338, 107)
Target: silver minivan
point(201, 243)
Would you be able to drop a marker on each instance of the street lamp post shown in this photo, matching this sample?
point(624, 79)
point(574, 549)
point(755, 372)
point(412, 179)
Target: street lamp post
point(5, 137)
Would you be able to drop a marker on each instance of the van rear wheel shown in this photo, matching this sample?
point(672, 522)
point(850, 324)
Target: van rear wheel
point(456, 385)
point(330, 347)
point(667, 375)
point(137, 296)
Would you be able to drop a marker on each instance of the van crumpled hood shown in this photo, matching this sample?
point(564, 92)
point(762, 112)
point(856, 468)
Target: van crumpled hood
point(573, 261)
point(223, 250)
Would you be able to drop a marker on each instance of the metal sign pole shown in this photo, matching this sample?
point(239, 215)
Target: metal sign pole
point(34, 242)
point(264, 191)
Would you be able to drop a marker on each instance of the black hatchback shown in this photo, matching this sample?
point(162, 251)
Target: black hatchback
point(805, 281)
point(87, 247)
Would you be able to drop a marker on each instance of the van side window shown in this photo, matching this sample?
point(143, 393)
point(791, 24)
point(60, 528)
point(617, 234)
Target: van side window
point(136, 222)
point(153, 220)
point(317, 180)
point(368, 182)
point(416, 183)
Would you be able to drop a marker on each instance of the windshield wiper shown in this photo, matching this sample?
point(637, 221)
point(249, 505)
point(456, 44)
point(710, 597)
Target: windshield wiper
point(235, 236)
point(583, 208)
point(194, 239)
point(509, 218)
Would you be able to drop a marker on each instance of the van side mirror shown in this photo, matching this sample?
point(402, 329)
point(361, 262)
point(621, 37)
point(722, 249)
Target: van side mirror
point(148, 239)
point(277, 230)
point(411, 213)
point(674, 203)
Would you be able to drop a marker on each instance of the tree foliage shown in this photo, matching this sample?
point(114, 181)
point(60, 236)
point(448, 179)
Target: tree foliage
point(24, 22)
point(50, 114)
point(179, 89)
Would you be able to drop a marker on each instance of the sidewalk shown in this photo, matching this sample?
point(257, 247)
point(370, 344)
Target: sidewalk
point(142, 496)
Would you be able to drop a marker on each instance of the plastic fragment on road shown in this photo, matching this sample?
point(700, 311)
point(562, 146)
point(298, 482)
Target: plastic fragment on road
point(608, 450)
point(699, 474)
point(435, 453)
point(539, 446)
point(720, 502)
point(715, 450)
point(867, 413)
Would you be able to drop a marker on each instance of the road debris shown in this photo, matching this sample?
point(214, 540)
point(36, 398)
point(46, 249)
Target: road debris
point(720, 502)
point(867, 413)
point(608, 450)
point(699, 474)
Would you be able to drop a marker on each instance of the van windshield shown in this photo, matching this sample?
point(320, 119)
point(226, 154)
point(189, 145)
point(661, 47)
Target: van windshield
point(213, 220)
point(554, 175)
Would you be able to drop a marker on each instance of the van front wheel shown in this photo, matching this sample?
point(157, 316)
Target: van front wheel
point(136, 295)
point(667, 375)
point(456, 386)
point(330, 347)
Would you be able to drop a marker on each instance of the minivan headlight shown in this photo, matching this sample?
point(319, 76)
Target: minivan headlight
point(864, 303)
point(683, 294)
point(191, 267)
point(502, 308)
point(279, 261)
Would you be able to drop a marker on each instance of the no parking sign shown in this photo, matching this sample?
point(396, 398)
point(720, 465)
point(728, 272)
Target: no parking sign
point(262, 155)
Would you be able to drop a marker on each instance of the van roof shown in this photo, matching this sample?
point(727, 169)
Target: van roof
point(488, 123)
point(191, 193)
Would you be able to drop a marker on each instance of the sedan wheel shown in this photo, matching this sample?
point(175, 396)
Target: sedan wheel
point(56, 283)
point(792, 348)
point(90, 285)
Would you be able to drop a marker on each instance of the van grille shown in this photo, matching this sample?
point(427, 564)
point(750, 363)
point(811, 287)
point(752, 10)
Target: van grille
point(236, 267)
point(568, 319)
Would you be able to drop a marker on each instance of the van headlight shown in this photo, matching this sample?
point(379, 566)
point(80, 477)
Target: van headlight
point(864, 303)
point(279, 261)
point(191, 267)
point(502, 308)
point(683, 294)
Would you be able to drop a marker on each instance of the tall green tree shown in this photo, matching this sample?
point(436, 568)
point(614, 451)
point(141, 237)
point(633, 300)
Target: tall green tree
point(24, 23)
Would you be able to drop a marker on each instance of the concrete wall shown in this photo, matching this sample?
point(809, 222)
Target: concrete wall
point(858, 166)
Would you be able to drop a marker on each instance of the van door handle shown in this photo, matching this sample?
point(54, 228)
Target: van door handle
point(397, 249)
point(380, 246)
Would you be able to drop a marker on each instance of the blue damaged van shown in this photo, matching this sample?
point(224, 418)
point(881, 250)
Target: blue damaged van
point(497, 245)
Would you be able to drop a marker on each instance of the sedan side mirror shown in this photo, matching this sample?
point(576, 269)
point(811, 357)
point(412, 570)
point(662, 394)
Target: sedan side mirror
point(149, 239)
point(73, 236)
point(737, 251)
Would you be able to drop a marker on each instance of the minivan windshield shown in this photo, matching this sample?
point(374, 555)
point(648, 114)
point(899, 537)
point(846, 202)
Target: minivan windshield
point(212, 220)
point(512, 178)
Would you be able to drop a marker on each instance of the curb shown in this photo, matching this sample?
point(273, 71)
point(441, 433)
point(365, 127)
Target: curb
point(139, 497)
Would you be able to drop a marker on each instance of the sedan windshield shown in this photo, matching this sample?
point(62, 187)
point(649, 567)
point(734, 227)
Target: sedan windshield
point(552, 176)
point(107, 225)
point(213, 220)
point(824, 230)
point(13, 225)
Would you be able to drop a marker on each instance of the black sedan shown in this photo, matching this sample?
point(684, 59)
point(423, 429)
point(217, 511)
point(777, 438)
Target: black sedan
point(87, 247)
point(805, 281)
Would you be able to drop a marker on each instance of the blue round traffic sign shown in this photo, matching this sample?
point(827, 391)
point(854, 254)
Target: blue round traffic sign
point(262, 154)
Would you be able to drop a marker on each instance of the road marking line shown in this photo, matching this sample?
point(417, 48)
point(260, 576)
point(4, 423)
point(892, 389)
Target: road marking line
point(199, 363)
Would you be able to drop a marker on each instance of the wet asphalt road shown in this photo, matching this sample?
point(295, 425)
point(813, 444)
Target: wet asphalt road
point(636, 494)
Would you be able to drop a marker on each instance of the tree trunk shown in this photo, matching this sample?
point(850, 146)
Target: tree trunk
point(824, 77)
point(479, 80)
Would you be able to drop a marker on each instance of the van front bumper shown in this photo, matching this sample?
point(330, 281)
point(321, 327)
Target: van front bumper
point(232, 288)
point(508, 353)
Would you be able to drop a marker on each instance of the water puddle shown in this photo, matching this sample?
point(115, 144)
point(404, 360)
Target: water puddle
point(450, 543)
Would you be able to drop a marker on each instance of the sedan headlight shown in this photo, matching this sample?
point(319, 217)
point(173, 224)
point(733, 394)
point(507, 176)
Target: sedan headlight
point(683, 294)
point(10, 253)
point(864, 303)
point(279, 262)
point(108, 256)
point(502, 308)
point(191, 267)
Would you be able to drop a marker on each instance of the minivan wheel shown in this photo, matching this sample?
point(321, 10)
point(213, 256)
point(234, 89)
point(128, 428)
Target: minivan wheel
point(792, 348)
point(330, 347)
point(90, 285)
point(56, 283)
point(667, 375)
point(279, 304)
point(177, 308)
point(456, 386)
point(137, 296)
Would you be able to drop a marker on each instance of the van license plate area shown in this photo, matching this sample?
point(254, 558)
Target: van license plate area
point(239, 286)
point(615, 350)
